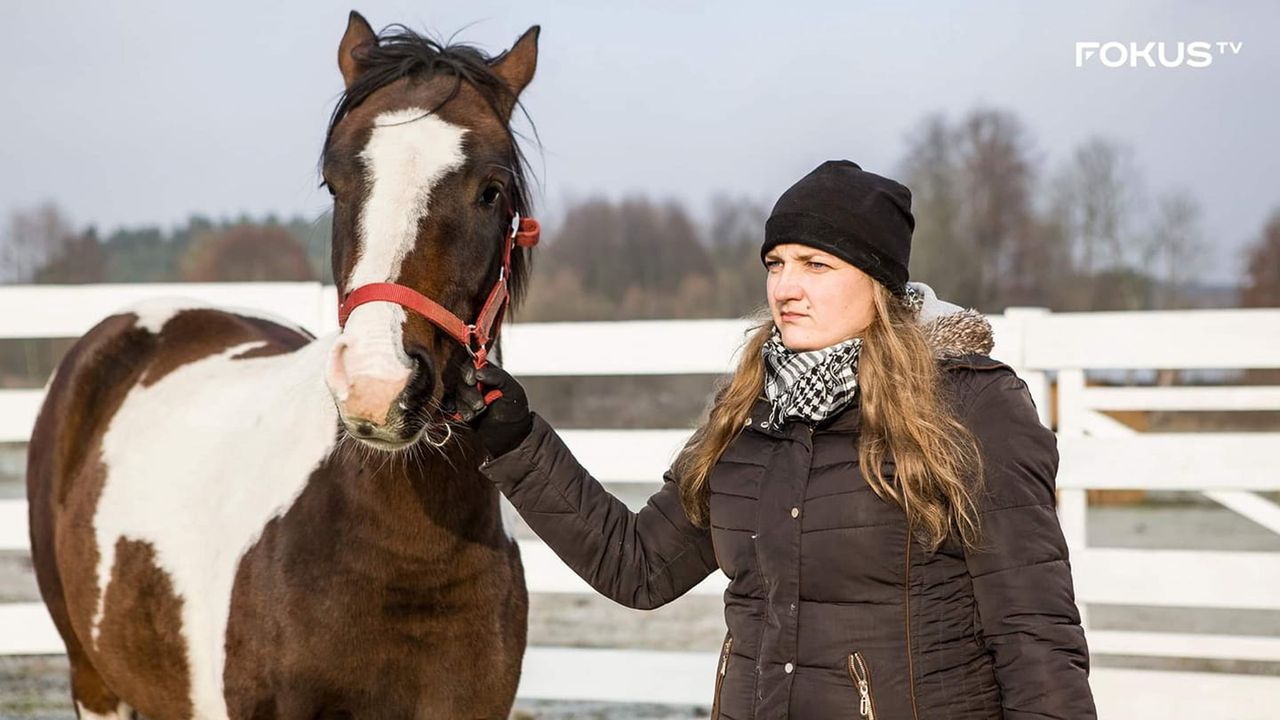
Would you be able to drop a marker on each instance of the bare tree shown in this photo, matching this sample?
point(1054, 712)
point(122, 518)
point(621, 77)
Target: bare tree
point(82, 260)
point(588, 243)
point(633, 244)
point(736, 221)
point(939, 255)
point(1099, 191)
point(246, 253)
point(972, 189)
point(1262, 276)
point(996, 187)
point(734, 234)
point(32, 238)
point(1174, 252)
point(1095, 198)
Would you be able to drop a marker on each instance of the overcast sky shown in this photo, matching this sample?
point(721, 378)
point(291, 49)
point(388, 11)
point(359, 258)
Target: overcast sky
point(145, 112)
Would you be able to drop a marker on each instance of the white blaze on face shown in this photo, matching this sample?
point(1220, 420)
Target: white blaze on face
point(408, 153)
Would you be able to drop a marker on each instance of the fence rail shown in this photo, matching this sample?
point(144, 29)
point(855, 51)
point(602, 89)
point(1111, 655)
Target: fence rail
point(1045, 348)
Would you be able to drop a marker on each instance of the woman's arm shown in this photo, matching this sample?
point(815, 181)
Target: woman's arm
point(1022, 574)
point(641, 560)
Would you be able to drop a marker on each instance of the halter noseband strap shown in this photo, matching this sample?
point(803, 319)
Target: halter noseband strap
point(476, 337)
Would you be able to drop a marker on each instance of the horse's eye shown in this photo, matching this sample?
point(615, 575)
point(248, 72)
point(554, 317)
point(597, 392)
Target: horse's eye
point(491, 195)
point(328, 187)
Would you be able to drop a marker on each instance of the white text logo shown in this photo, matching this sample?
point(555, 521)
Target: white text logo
point(1154, 54)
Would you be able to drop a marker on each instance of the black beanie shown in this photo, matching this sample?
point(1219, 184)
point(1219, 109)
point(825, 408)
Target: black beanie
point(859, 217)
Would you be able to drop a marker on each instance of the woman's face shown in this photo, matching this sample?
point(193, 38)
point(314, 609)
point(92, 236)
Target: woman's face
point(816, 298)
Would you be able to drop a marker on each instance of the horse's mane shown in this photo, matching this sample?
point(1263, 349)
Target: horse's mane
point(401, 52)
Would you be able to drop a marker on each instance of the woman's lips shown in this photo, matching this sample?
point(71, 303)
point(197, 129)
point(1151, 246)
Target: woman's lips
point(791, 317)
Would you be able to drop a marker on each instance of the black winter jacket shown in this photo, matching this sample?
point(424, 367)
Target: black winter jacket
point(832, 610)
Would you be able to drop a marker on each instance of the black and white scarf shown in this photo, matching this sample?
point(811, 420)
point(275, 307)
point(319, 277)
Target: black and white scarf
point(811, 385)
point(816, 384)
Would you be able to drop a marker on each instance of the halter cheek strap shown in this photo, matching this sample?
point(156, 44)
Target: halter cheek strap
point(476, 337)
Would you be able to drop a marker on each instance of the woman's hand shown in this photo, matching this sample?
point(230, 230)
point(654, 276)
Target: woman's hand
point(502, 423)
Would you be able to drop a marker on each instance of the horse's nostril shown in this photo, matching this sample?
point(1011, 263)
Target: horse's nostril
point(420, 358)
point(422, 380)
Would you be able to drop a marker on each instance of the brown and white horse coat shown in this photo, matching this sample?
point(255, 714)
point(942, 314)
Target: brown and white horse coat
point(211, 538)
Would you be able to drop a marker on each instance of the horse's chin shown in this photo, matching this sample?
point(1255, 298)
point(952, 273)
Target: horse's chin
point(436, 433)
point(387, 446)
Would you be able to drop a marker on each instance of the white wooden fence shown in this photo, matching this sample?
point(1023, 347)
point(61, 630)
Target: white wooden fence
point(1096, 451)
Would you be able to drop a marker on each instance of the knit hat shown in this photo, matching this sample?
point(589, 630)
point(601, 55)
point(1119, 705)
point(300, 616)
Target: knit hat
point(860, 217)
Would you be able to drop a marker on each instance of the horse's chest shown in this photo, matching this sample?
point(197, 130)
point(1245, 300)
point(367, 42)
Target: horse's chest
point(197, 464)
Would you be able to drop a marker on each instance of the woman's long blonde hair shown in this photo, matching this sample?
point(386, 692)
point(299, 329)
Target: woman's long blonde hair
point(904, 416)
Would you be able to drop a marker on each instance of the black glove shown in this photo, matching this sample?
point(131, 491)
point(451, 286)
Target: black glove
point(502, 424)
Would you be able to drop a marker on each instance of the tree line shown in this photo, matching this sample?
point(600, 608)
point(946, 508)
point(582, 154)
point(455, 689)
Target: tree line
point(995, 228)
point(40, 246)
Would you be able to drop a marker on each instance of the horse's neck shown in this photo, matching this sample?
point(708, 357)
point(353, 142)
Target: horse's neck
point(422, 504)
point(417, 503)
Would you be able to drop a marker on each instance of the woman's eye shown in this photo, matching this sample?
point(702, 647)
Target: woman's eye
point(491, 195)
point(817, 264)
point(771, 263)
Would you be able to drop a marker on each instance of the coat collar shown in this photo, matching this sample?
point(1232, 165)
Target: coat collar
point(951, 330)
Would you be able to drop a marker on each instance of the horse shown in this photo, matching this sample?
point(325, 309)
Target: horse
point(233, 518)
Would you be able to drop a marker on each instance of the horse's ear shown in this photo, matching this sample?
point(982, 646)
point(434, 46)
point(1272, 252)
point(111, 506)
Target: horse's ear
point(516, 65)
point(355, 41)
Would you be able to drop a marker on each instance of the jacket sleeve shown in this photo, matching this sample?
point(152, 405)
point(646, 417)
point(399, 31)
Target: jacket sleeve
point(641, 560)
point(1021, 571)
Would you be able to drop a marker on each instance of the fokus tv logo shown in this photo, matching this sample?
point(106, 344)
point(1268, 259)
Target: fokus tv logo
point(1196, 54)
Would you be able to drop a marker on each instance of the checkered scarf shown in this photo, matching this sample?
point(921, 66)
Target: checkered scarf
point(812, 385)
point(816, 384)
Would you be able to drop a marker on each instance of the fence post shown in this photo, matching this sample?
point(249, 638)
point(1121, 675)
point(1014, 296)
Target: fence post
point(1013, 350)
point(1073, 503)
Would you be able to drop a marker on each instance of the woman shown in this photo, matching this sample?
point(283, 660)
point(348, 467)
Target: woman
point(878, 490)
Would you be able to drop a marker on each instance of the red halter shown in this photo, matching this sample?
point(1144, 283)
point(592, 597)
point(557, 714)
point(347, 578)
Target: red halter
point(476, 337)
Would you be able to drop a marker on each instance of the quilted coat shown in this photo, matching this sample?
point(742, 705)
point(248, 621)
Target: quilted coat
point(832, 609)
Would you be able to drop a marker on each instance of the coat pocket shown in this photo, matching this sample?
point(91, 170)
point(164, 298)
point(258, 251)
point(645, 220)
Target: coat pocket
point(861, 676)
point(721, 670)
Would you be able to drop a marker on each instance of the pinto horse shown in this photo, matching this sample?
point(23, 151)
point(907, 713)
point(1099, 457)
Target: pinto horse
point(232, 518)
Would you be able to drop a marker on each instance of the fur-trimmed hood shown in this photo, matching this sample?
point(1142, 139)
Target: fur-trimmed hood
point(952, 330)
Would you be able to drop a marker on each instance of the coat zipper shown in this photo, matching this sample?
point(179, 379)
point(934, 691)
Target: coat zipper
point(862, 678)
point(720, 673)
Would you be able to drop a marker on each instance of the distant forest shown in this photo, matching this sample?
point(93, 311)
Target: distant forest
point(993, 230)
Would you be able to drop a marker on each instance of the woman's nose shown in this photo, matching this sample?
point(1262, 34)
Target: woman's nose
point(786, 287)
